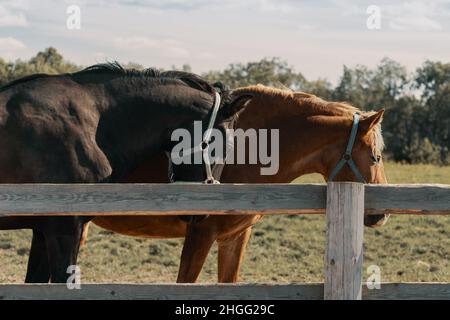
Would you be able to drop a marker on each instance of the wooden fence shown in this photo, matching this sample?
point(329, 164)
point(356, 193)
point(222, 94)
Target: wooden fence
point(344, 204)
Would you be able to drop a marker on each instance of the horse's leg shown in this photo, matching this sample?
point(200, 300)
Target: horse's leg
point(62, 247)
point(230, 255)
point(84, 234)
point(38, 270)
point(197, 243)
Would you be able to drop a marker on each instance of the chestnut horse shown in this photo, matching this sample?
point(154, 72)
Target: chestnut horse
point(313, 137)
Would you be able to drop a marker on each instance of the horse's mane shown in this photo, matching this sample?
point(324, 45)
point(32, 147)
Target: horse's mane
point(312, 103)
point(114, 69)
point(25, 79)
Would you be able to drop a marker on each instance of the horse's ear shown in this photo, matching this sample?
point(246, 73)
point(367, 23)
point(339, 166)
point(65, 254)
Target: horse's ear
point(367, 124)
point(236, 106)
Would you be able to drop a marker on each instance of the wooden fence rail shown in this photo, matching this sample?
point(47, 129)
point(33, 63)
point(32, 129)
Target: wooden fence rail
point(308, 291)
point(344, 203)
point(158, 199)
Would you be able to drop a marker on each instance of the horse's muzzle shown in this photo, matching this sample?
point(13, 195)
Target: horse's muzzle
point(377, 220)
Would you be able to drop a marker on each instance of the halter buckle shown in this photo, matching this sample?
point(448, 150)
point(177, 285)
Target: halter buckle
point(211, 181)
point(347, 156)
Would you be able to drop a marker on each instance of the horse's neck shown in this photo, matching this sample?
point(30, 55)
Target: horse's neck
point(134, 127)
point(303, 138)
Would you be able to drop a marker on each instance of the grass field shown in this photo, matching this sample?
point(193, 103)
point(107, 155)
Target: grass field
point(282, 249)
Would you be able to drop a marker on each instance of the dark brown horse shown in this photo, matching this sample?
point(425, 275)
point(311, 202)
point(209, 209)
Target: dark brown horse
point(313, 137)
point(96, 125)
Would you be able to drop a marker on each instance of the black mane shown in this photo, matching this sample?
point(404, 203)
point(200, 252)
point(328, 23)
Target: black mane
point(116, 69)
point(25, 79)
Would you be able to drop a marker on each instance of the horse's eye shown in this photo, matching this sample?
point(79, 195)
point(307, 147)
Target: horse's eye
point(375, 159)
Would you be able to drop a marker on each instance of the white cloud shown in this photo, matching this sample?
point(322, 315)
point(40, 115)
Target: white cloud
point(276, 6)
point(135, 42)
point(10, 19)
point(178, 52)
point(159, 6)
point(205, 55)
point(168, 47)
point(413, 16)
point(16, 4)
point(11, 48)
point(210, 34)
point(11, 44)
point(164, 4)
point(415, 24)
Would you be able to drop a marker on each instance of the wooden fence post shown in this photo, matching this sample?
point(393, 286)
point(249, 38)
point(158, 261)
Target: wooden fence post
point(344, 244)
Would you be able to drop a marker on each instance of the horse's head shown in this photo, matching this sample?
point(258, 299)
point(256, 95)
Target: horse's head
point(200, 155)
point(360, 160)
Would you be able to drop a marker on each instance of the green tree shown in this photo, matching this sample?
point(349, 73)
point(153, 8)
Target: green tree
point(433, 80)
point(268, 71)
point(417, 120)
point(48, 61)
point(373, 89)
point(354, 86)
point(4, 72)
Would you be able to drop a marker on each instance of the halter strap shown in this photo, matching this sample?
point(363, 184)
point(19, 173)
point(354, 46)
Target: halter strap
point(204, 146)
point(207, 136)
point(347, 157)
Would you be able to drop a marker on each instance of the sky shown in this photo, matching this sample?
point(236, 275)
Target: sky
point(316, 37)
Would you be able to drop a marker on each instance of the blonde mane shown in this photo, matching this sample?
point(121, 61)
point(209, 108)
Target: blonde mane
point(314, 104)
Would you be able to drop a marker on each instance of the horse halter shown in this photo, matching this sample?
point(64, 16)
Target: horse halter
point(347, 157)
point(204, 146)
point(205, 143)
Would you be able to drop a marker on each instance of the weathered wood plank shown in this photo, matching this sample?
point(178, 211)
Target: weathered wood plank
point(117, 199)
point(344, 241)
point(409, 291)
point(157, 199)
point(162, 292)
point(401, 291)
point(408, 199)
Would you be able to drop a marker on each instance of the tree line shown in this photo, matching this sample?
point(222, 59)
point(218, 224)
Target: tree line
point(416, 127)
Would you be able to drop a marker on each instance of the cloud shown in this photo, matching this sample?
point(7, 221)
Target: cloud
point(16, 4)
point(415, 24)
point(169, 47)
point(271, 6)
point(168, 4)
point(135, 42)
point(11, 48)
point(178, 52)
point(276, 6)
point(414, 16)
point(409, 15)
point(11, 44)
point(10, 19)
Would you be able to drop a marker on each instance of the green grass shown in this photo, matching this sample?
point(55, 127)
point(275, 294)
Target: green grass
point(281, 249)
